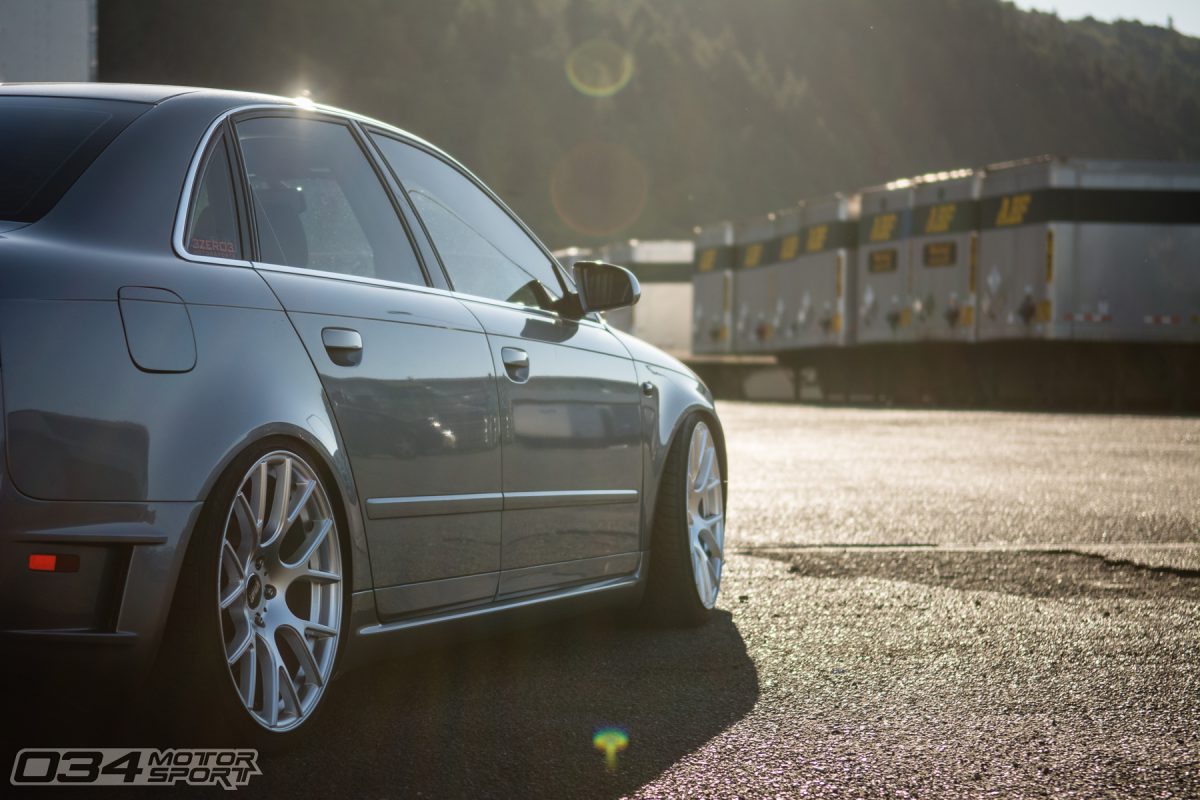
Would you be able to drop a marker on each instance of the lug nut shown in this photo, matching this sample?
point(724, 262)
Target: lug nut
point(270, 592)
point(258, 563)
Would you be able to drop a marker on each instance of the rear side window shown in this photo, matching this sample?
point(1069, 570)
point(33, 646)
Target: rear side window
point(319, 204)
point(212, 223)
point(45, 145)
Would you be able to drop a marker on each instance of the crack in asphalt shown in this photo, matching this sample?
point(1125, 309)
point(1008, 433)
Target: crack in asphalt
point(1060, 573)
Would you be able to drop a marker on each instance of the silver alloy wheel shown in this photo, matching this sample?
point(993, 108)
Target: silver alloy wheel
point(279, 590)
point(705, 514)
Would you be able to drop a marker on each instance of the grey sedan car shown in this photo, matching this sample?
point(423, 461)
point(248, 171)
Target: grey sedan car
point(285, 387)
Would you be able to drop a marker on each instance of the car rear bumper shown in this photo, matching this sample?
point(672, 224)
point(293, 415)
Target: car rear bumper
point(105, 617)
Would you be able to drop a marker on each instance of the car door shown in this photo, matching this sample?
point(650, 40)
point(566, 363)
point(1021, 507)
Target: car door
point(408, 371)
point(569, 396)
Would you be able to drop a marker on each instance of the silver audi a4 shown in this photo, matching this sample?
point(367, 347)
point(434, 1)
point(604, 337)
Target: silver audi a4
point(285, 387)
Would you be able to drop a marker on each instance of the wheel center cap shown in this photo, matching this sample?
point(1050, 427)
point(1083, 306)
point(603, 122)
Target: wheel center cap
point(254, 591)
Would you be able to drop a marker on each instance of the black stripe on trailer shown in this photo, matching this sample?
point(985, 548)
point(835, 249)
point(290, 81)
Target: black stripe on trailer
point(825, 236)
point(1116, 206)
point(661, 273)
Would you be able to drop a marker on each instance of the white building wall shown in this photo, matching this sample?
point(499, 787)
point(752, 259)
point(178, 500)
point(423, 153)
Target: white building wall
point(47, 40)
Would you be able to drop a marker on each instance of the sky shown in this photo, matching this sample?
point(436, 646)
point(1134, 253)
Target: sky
point(1151, 12)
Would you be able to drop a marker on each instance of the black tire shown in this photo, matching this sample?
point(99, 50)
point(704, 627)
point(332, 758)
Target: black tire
point(672, 598)
point(198, 700)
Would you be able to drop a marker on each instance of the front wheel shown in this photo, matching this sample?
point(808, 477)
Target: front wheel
point(687, 548)
point(262, 598)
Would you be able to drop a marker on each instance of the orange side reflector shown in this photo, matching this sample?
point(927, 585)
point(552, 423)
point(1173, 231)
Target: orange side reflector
point(42, 563)
point(53, 562)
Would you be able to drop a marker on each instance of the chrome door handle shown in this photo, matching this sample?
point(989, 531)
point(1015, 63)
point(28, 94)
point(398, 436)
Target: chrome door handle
point(343, 345)
point(516, 363)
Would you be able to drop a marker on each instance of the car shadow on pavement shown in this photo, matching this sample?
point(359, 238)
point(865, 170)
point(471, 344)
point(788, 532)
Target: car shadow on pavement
point(510, 716)
point(1047, 574)
point(516, 716)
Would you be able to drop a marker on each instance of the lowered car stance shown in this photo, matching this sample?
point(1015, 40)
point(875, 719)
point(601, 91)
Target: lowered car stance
point(284, 386)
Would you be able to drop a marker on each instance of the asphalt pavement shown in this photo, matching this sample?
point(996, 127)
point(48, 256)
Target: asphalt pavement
point(915, 604)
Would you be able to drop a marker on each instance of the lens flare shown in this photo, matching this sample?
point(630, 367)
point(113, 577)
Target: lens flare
point(599, 68)
point(611, 741)
point(599, 188)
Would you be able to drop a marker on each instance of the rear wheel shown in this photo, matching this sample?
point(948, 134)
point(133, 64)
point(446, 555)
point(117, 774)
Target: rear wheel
point(687, 549)
point(262, 599)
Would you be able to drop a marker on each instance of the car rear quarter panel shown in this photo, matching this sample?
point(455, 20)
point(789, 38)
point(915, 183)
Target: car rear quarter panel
point(83, 421)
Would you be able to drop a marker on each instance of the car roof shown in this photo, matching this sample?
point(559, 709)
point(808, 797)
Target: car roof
point(134, 92)
point(156, 94)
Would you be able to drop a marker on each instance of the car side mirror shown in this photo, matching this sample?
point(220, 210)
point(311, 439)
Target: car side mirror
point(603, 287)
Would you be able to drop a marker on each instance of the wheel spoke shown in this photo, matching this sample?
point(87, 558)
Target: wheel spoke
point(249, 678)
point(308, 662)
point(714, 579)
point(320, 577)
point(301, 501)
point(244, 515)
point(712, 545)
point(706, 469)
point(315, 540)
point(232, 594)
point(699, 562)
point(258, 496)
point(317, 629)
point(289, 697)
point(232, 560)
point(275, 525)
point(269, 659)
point(239, 649)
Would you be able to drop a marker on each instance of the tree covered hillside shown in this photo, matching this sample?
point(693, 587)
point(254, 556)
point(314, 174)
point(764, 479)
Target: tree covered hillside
point(606, 118)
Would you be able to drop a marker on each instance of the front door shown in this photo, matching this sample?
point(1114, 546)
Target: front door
point(568, 390)
point(570, 410)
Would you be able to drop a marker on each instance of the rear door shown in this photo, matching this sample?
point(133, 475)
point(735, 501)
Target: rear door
point(569, 397)
point(408, 372)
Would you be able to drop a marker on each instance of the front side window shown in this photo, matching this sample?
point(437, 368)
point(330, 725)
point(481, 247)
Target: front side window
point(212, 228)
point(484, 251)
point(319, 204)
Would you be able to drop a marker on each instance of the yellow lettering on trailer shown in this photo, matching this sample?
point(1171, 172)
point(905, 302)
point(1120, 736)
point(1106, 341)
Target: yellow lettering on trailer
point(940, 218)
point(1013, 209)
point(753, 255)
point(708, 259)
point(789, 247)
point(817, 235)
point(882, 227)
